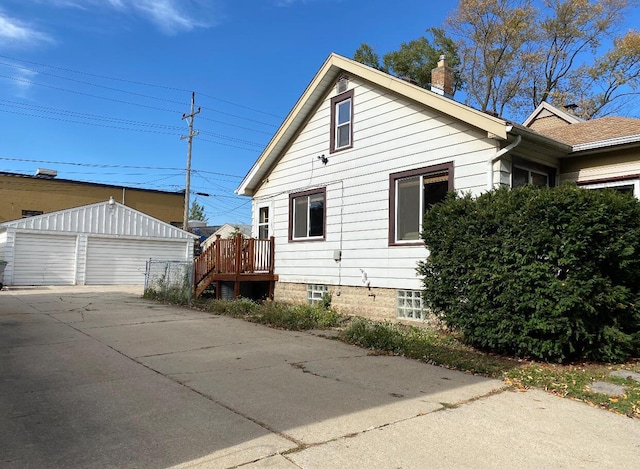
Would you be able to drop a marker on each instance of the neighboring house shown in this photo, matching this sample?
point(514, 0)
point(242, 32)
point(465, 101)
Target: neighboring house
point(23, 195)
point(345, 180)
point(605, 152)
point(226, 231)
point(100, 244)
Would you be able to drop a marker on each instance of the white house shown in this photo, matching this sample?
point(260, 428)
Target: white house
point(345, 180)
point(99, 244)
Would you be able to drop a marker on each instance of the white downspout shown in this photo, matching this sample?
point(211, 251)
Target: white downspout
point(499, 155)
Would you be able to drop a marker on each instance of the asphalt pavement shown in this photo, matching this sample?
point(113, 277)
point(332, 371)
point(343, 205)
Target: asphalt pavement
point(97, 377)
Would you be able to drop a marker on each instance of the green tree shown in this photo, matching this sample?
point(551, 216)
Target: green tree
point(414, 59)
point(196, 212)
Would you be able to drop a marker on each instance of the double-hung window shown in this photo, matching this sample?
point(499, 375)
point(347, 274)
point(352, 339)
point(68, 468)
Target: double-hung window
point(341, 122)
point(263, 222)
point(307, 215)
point(525, 172)
point(411, 193)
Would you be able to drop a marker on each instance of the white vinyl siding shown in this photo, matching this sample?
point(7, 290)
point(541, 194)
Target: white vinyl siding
point(123, 261)
point(44, 259)
point(390, 136)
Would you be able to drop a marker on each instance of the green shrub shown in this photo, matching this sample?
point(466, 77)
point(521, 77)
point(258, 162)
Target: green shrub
point(552, 274)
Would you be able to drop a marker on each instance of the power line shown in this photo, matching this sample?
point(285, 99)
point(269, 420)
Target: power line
point(134, 82)
point(101, 165)
point(30, 82)
point(53, 110)
point(93, 124)
point(107, 119)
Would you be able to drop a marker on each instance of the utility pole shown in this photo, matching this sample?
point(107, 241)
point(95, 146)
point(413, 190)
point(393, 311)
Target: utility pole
point(187, 187)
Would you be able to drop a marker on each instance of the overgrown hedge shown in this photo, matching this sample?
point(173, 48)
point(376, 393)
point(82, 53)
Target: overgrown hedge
point(551, 274)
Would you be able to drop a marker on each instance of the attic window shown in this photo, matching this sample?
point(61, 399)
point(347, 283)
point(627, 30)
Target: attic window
point(341, 135)
point(343, 83)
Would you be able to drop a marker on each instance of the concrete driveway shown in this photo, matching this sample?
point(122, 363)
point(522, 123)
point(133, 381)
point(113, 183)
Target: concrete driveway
point(98, 377)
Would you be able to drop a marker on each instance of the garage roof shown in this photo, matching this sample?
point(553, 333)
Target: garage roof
point(108, 218)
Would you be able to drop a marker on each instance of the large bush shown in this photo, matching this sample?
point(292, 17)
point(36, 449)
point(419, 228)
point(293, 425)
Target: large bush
point(552, 274)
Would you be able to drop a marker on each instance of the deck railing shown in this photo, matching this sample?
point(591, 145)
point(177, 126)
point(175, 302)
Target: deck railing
point(235, 256)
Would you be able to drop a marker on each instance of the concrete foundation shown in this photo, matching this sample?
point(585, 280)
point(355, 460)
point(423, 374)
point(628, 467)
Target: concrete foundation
point(378, 304)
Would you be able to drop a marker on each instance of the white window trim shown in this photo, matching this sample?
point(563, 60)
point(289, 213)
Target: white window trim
point(625, 182)
point(269, 224)
point(348, 124)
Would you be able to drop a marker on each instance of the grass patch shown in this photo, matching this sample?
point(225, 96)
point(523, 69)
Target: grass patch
point(443, 349)
point(295, 317)
point(573, 381)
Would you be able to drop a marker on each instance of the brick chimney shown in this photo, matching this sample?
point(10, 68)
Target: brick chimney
point(442, 78)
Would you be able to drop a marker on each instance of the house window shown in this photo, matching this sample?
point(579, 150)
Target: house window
point(307, 215)
point(341, 122)
point(631, 186)
point(409, 304)
point(411, 193)
point(316, 293)
point(263, 222)
point(525, 172)
point(31, 213)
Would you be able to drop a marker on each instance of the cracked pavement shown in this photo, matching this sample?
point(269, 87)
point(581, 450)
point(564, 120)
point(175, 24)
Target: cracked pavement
point(98, 377)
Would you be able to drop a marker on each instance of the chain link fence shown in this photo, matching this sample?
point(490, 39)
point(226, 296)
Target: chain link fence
point(169, 280)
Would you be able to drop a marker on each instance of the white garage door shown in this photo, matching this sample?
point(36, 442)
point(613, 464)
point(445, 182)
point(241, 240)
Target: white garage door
point(43, 259)
point(123, 261)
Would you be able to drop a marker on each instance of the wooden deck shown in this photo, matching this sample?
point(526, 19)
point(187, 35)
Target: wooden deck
point(237, 260)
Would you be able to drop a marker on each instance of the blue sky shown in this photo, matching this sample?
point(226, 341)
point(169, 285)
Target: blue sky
point(96, 89)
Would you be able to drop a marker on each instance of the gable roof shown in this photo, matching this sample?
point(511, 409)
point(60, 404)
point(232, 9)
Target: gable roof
point(316, 92)
point(545, 110)
point(108, 218)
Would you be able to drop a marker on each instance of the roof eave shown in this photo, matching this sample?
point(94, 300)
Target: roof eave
point(319, 86)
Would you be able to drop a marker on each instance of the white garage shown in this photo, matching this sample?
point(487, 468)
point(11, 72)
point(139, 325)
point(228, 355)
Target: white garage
point(100, 244)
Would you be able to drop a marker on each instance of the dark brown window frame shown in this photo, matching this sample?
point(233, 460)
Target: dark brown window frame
point(295, 195)
point(334, 101)
point(523, 163)
point(448, 167)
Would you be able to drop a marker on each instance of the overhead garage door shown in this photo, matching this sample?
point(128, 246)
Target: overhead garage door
point(44, 259)
point(123, 261)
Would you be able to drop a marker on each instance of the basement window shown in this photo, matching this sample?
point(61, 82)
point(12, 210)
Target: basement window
point(315, 293)
point(409, 304)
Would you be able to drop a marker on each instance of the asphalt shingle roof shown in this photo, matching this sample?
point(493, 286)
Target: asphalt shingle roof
point(595, 130)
